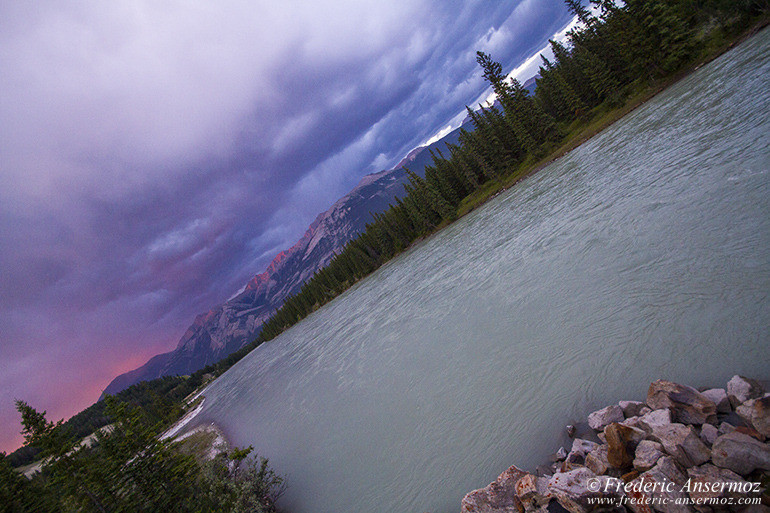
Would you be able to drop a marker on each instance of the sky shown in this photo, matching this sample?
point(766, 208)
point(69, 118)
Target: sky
point(155, 155)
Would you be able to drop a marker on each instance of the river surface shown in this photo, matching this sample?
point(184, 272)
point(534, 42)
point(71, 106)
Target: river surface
point(643, 254)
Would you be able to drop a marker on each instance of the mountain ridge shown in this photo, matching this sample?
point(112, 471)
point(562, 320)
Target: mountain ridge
point(227, 327)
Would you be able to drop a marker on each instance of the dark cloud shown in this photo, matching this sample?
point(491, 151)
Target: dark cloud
point(153, 157)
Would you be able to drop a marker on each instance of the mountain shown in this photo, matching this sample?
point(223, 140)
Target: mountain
point(531, 83)
point(226, 328)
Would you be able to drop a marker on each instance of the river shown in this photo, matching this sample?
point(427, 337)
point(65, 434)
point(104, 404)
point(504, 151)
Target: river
point(642, 254)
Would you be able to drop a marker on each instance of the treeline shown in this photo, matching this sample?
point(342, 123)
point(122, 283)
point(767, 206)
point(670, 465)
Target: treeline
point(615, 51)
point(130, 469)
point(161, 400)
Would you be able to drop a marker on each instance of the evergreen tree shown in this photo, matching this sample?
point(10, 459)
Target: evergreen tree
point(583, 14)
point(459, 159)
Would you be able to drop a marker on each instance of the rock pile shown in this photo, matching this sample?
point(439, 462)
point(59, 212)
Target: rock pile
point(679, 451)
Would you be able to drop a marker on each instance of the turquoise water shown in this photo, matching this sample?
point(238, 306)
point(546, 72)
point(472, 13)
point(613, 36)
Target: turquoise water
point(643, 254)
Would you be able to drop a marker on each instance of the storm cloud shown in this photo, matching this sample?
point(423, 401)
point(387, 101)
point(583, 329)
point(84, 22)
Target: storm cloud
point(156, 155)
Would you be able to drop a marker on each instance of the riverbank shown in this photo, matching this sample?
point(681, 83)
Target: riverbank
point(680, 450)
point(602, 118)
point(204, 441)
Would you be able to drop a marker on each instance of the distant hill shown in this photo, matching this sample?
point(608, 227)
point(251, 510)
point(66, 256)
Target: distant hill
point(531, 84)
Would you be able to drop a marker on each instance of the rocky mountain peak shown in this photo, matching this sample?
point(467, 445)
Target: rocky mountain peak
point(229, 326)
point(226, 328)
